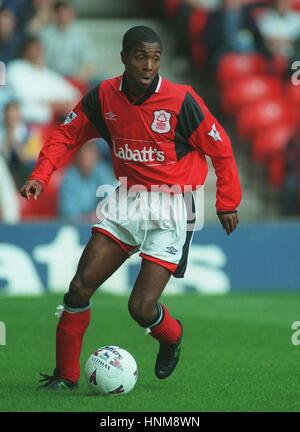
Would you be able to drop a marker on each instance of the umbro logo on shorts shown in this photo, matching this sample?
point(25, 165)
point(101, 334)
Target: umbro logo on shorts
point(171, 250)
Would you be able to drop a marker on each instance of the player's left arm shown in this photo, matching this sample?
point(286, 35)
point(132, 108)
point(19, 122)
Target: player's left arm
point(211, 139)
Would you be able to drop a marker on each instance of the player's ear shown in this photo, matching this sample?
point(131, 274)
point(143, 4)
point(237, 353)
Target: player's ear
point(123, 56)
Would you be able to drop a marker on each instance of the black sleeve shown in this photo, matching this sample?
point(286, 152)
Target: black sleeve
point(189, 119)
point(92, 109)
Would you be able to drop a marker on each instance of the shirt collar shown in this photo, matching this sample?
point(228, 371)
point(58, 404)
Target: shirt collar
point(153, 88)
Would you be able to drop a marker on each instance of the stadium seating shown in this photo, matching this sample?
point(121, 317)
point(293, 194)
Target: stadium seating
point(262, 115)
point(275, 168)
point(197, 21)
point(233, 66)
point(268, 147)
point(293, 95)
point(248, 90)
point(170, 7)
point(270, 140)
point(295, 5)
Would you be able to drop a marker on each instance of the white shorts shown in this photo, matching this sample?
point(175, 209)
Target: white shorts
point(157, 224)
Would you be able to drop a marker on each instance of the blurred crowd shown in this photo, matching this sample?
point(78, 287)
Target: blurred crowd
point(248, 51)
point(48, 67)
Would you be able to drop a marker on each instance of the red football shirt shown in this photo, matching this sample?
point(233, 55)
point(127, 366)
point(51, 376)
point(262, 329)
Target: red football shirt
point(160, 138)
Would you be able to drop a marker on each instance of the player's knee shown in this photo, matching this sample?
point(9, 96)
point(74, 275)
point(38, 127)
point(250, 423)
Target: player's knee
point(79, 292)
point(142, 311)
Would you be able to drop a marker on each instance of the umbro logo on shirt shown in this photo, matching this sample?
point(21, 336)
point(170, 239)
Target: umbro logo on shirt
point(110, 116)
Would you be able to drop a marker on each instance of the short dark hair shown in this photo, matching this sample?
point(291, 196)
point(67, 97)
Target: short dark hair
point(29, 40)
point(138, 34)
point(61, 4)
point(10, 104)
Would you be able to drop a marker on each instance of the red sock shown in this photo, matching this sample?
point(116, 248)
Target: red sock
point(168, 330)
point(69, 335)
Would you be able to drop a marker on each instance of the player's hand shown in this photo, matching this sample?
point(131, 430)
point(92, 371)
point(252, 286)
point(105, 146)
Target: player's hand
point(32, 187)
point(229, 221)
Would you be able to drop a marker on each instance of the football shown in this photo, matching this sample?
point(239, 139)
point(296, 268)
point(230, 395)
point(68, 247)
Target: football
point(111, 370)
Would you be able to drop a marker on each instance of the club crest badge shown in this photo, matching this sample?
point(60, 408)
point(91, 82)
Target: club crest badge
point(161, 122)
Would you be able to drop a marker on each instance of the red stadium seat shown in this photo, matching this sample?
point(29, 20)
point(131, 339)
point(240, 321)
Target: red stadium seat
point(293, 96)
point(269, 147)
point(295, 4)
point(171, 7)
point(233, 66)
point(275, 165)
point(46, 207)
point(262, 115)
point(270, 140)
point(248, 90)
point(197, 21)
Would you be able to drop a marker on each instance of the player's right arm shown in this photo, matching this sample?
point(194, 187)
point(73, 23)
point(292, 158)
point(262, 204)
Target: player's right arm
point(81, 125)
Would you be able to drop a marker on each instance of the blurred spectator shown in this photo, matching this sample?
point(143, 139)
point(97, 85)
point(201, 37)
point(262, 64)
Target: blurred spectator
point(181, 25)
point(14, 133)
point(232, 28)
point(10, 38)
point(41, 15)
point(280, 26)
point(19, 8)
point(77, 198)
point(66, 51)
point(208, 5)
point(9, 203)
point(291, 186)
point(103, 149)
point(39, 89)
point(6, 96)
point(13, 138)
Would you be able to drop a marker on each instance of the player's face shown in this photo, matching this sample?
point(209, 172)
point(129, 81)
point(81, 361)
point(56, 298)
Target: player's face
point(141, 66)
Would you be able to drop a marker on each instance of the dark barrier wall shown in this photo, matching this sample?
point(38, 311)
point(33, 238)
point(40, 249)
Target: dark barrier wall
point(39, 257)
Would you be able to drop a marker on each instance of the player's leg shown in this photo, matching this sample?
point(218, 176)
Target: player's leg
point(154, 317)
point(101, 257)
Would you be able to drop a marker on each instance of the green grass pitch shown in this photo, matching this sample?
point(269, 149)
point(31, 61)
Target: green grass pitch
point(236, 355)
